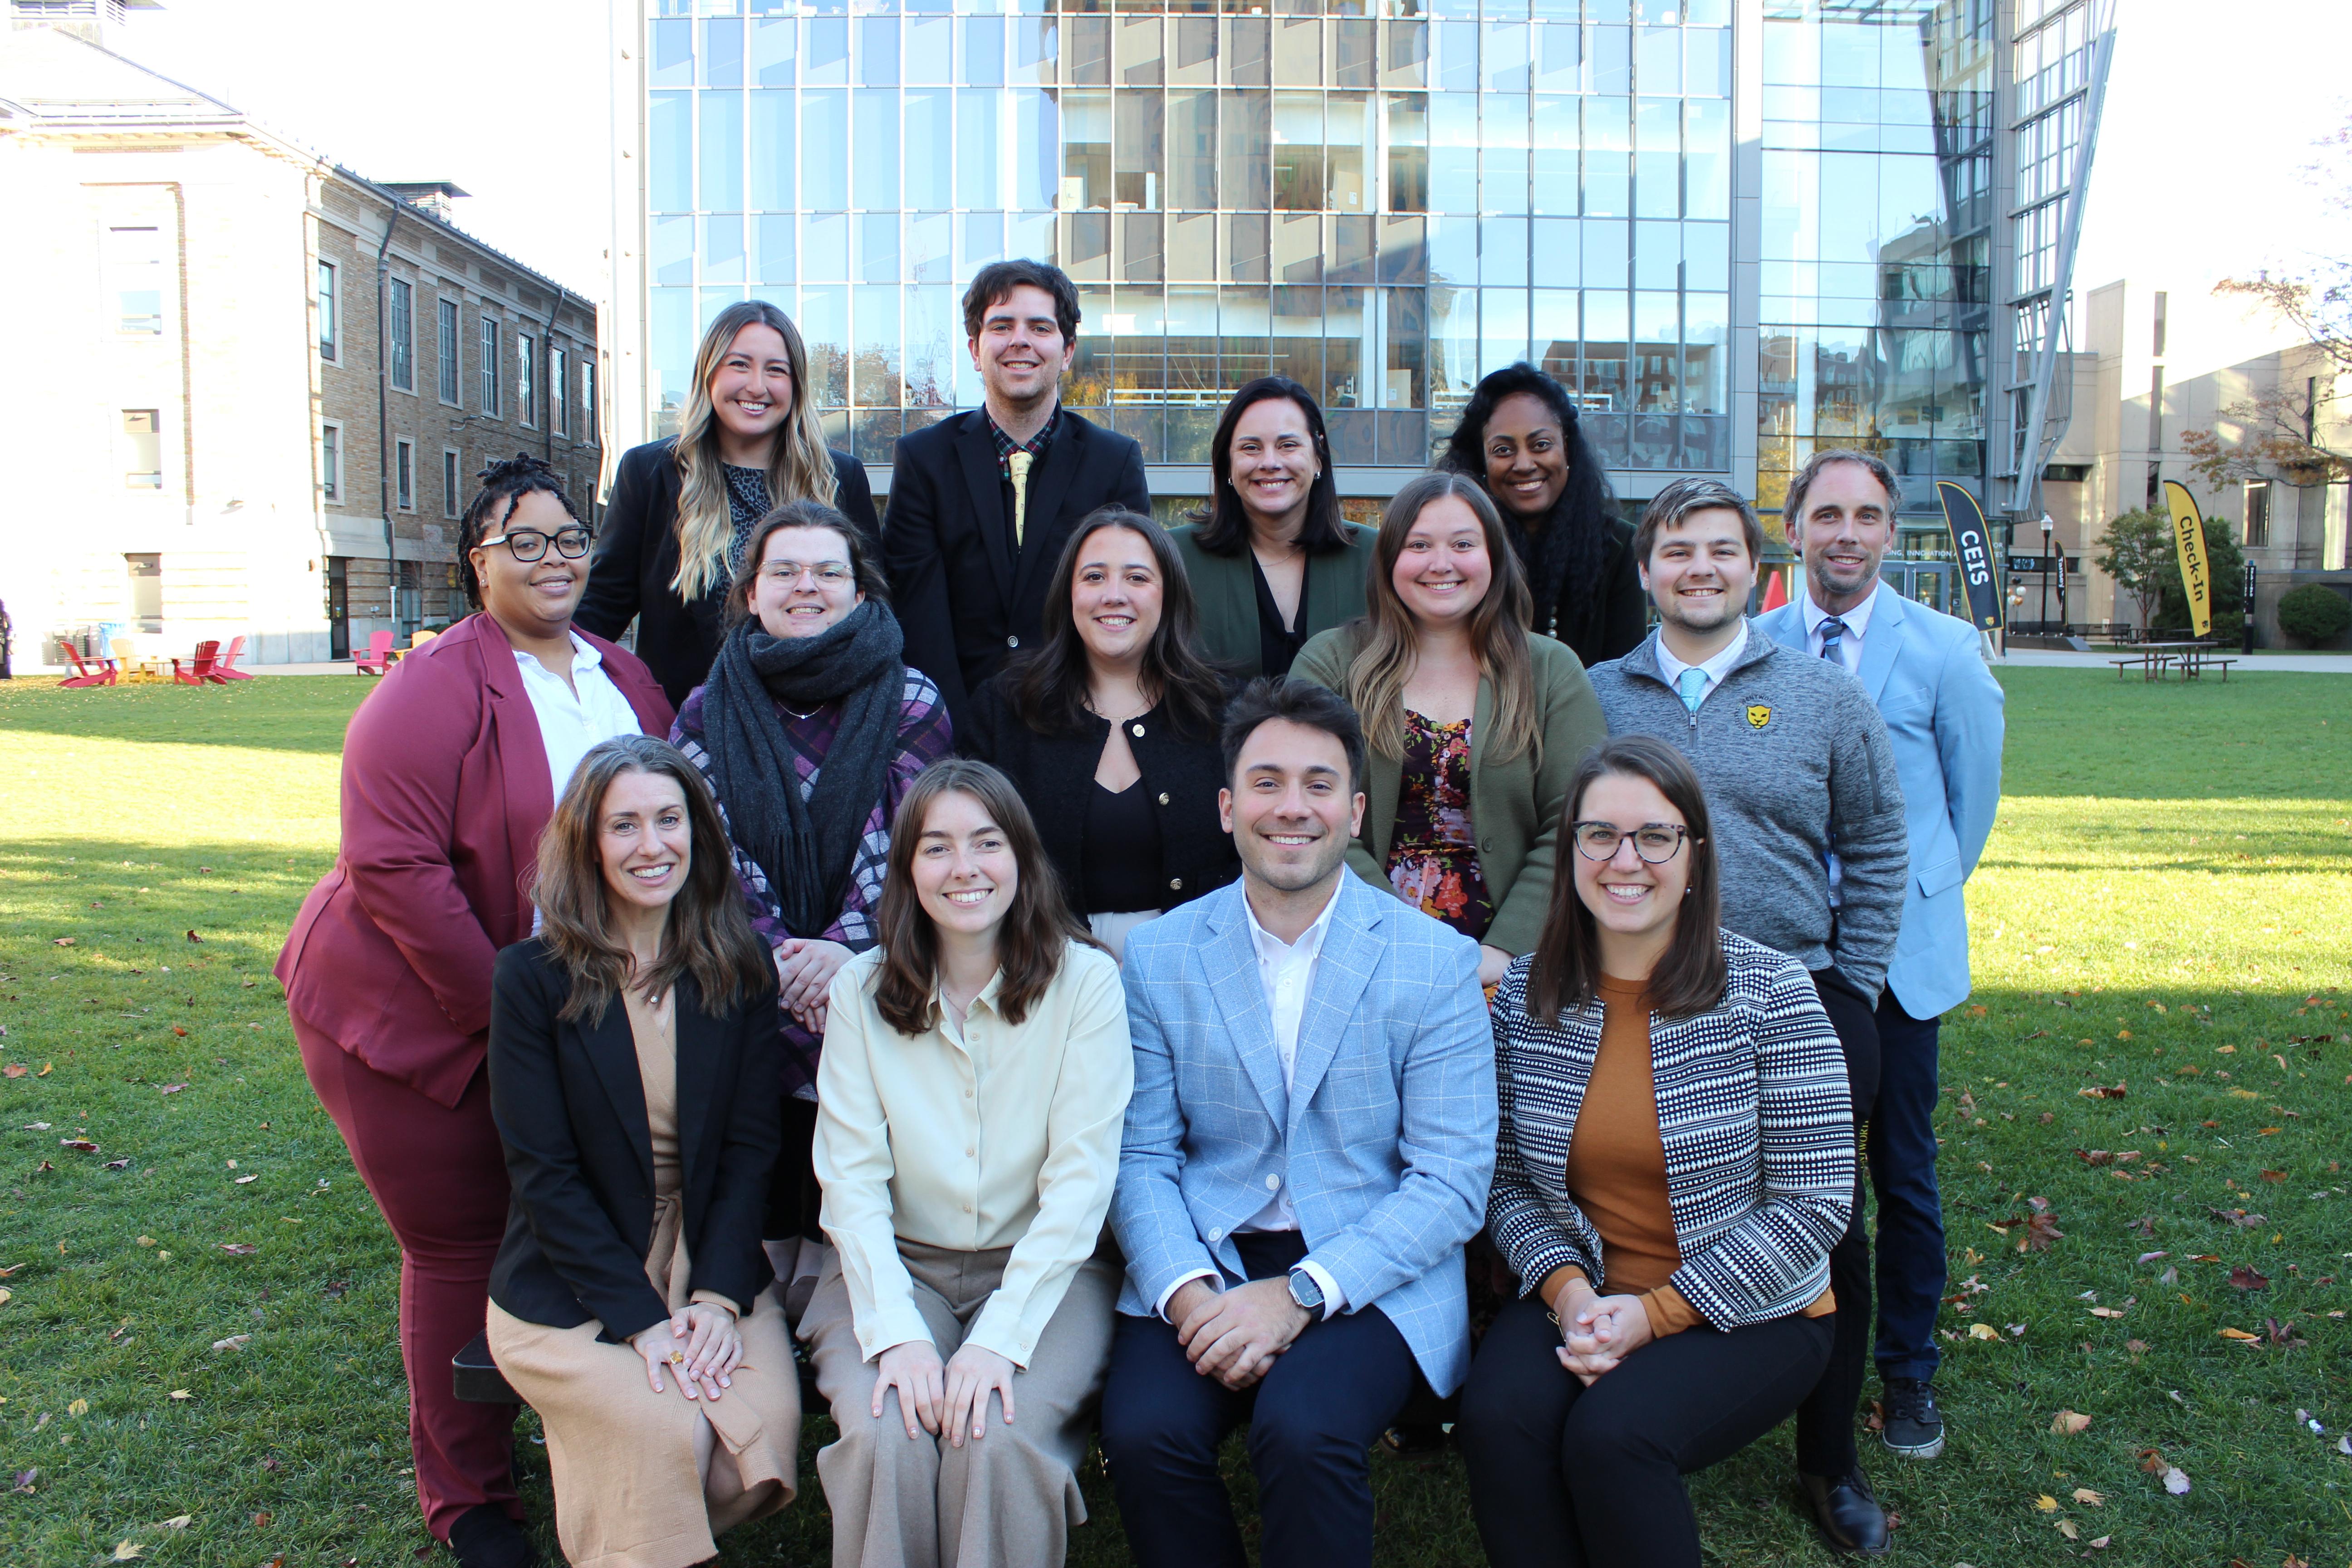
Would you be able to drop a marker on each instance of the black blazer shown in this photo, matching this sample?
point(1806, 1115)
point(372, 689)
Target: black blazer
point(1055, 777)
point(570, 1109)
point(636, 556)
point(1618, 618)
point(964, 602)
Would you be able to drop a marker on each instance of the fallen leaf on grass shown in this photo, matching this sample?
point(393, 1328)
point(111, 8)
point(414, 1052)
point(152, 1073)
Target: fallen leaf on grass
point(242, 1180)
point(2067, 1527)
point(2106, 1312)
point(24, 1479)
point(2246, 1279)
point(261, 1519)
point(182, 1394)
point(2283, 1336)
point(124, 1550)
point(2139, 1348)
point(2100, 1091)
point(122, 1165)
point(1984, 1332)
point(234, 1343)
point(15, 1070)
point(2176, 1481)
point(193, 937)
point(172, 1087)
point(2241, 1336)
point(2046, 1503)
point(179, 1030)
point(61, 941)
point(79, 1145)
point(237, 1248)
point(2088, 1497)
point(2147, 1257)
point(2099, 1543)
point(2274, 1175)
point(79, 1407)
point(2067, 1423)
point(179, 1521)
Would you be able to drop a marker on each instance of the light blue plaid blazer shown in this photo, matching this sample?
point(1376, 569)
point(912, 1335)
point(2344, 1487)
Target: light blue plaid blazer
point(1386, 1138)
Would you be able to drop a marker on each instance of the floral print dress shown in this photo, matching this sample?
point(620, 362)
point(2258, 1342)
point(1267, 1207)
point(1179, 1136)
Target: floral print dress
point(1433, 854)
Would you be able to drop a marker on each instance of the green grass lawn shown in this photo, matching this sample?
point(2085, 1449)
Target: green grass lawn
point(2164, 915)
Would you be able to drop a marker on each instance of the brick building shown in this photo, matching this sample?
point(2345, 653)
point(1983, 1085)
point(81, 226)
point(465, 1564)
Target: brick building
point(265, 382)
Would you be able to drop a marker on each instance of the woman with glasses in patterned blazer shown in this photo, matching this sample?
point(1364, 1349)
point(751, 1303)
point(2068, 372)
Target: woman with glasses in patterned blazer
point(1673, 1164)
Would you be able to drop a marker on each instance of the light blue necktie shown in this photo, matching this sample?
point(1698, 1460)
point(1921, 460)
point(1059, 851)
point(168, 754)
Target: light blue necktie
point(1833, 641)
point(1692, 683)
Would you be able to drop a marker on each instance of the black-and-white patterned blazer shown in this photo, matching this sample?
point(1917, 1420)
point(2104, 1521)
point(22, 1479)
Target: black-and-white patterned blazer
point(1752, 1111)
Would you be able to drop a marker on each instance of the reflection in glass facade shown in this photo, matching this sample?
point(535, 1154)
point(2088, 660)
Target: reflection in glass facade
point(1384, 199)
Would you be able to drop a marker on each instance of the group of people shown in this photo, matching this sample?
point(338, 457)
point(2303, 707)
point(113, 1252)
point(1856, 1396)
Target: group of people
point(1070, 980)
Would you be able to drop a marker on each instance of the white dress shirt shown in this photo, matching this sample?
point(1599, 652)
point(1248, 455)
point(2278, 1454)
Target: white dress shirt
point(1857, 626)
point(573, 718)
point(1716, 668)
point(1286, 971)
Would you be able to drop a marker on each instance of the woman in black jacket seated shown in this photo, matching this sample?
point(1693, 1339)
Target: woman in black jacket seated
point(1109, 729)
point(631, 1303)
point(1518, 438)
point(682, 506)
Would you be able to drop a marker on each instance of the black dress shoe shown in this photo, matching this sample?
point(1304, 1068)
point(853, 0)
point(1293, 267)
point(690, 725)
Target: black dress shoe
point(1848, 1514)
point(1409, 1437)
point(484, 1537)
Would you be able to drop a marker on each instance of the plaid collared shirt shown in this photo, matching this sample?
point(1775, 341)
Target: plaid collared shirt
point(1006, 446)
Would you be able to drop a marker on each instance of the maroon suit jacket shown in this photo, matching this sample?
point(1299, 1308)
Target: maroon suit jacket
point(446, 793)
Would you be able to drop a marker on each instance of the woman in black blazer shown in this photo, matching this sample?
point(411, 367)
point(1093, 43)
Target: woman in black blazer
point(1109, 730)
point(632, 1303)
point(682, 506)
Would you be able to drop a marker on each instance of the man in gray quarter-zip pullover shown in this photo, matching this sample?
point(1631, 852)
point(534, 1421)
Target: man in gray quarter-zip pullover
point(1806, 813)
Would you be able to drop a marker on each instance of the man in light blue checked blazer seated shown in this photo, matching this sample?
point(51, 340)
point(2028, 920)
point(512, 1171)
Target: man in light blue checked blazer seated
point(1310, 1145)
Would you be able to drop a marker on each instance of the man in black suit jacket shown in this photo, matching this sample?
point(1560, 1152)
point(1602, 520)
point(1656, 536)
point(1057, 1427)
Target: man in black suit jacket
point(968, 552)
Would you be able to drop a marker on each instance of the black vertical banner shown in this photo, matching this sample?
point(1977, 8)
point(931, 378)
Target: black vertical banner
point(1973, 545)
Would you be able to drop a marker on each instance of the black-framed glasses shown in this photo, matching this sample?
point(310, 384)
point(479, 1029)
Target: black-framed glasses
point(1656, 842)
point(530, 544)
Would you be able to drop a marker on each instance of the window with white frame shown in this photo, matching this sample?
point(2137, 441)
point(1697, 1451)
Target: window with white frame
point(558, 395)
point(490, 365)
point(446, 324)
point(403, 474)
point(403, 335)
point(330, 461)
point(526, 378)
point(588, 392)
point(134, 280)
point(451, 464)
point(143, 450)
point(2258, 514)
point(328, 302)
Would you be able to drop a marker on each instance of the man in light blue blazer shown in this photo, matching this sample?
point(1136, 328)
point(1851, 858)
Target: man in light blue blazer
point(1943, 713)
point(1308, 1147)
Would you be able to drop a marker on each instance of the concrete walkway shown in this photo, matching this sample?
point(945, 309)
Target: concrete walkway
point(2315, 663)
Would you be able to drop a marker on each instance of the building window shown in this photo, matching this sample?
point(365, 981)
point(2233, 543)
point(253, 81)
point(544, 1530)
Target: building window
point(331, 462)
point(146, 591)
point(142, 450)
point(526, 380)
point(450, 482)
point(408, 599)
point(490, 365)
point(588, 392)
point(134, 264)
point(558, 395)
point(2258, 514)
point(403, 338)
point(327, 323)
point(445, 314)
point(403, 474)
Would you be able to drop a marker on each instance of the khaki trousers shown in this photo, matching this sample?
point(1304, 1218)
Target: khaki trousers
point(1006, 1501)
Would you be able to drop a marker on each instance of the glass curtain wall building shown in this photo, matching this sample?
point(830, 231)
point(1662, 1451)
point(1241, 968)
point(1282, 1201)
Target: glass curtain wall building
point(1735, 229)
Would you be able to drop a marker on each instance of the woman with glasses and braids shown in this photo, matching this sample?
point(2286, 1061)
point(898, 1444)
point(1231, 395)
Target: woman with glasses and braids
point(810, 730)
point(1673, 1162)
point(1520, 439)
point(683, 507)
point(451, 770)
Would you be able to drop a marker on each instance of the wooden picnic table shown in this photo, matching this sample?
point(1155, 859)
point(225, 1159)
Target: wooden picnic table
point(2153, 659)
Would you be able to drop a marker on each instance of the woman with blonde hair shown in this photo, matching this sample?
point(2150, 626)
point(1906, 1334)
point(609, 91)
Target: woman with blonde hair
point(970, 1099)
point(684, 505)
point(1474, 726)
point(632, 1076)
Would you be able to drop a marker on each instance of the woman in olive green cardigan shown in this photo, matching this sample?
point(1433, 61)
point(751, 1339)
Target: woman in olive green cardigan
point(1474, 727)
point(1271, 561)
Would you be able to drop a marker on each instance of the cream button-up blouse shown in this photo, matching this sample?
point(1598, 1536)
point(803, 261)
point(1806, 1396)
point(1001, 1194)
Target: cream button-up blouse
point(1007, 1136)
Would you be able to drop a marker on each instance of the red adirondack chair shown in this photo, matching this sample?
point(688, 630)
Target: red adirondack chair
point(93, 671)
point(379, 655)
point(199, 671)
point(226, 668)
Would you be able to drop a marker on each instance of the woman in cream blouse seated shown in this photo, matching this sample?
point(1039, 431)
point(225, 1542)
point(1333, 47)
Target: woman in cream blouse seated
point(971, 1099)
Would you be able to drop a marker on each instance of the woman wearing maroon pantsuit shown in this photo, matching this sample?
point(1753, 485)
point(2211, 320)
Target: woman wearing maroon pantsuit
point(451, 769)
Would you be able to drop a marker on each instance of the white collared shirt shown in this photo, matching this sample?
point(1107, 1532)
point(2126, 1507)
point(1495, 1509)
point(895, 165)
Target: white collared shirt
point(1857, 626)
point(573, 718)
point(1287, 970)
point(1717, 668)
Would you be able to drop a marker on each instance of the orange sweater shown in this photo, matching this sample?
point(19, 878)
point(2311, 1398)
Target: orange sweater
point(1617, 1169)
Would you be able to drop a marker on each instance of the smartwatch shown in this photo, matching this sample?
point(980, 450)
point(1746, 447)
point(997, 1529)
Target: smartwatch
point(1306, 1293)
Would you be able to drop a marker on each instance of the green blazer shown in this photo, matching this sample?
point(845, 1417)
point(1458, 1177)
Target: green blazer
point(1226, 592)
point(1515, 806)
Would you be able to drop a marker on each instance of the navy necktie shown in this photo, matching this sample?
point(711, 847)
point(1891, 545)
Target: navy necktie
point(1834, 640)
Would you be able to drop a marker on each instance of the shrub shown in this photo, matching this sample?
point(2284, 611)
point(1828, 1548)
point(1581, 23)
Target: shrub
point(2313, 614)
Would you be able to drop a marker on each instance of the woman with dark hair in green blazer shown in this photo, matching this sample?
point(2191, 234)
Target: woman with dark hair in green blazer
point(1474, 726)
point(1271, 563)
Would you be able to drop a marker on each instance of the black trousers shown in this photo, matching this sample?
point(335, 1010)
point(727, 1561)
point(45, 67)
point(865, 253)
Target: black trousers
point(1312, 1419)
point(793, 1195)
point(1564, 1476)
point(1825, 1444)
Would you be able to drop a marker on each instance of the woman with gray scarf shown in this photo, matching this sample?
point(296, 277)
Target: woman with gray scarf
point(810, 729)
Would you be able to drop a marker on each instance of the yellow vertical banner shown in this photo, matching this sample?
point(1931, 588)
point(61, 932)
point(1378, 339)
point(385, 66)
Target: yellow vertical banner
point(2196, 572)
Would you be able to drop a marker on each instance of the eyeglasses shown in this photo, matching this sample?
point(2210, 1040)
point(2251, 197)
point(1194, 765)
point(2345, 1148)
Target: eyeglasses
point(1656, 842)
point(530, 544)
point(788, 574)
